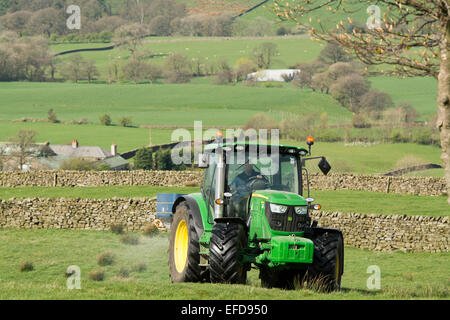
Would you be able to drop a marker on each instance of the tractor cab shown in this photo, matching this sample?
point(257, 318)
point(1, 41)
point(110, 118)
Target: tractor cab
point(235, 172)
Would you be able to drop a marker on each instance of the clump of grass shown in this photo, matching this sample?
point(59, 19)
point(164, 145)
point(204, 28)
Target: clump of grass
point(428, 291)
point(97, 275)
point(130, 239)
point(408, 276)
point(117, 228)
point(139, 267)
point(123, 272)
point(27, 266)
point(319, 283)
point(105, 259)
point(150, 230)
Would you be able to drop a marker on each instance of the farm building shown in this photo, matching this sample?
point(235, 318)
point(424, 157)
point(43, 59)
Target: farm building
point(44, 156)
point(278, 75)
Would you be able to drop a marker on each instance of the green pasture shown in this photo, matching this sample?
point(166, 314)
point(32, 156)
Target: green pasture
point(421, 92)
point(207, 50)
point(160, 105)
point(403, 275)
point(369, 159)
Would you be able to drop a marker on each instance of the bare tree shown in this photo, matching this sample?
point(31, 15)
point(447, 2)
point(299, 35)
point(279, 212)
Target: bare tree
point(333, 53)
point(264, 53)
point(73, 70)
point(22, 146)
point(90, 70)
point(412, 36)
point(130, 36)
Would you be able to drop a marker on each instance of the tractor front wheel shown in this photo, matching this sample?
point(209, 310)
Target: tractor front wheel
point(326, 270)
point(184, 247)
point(225, 254)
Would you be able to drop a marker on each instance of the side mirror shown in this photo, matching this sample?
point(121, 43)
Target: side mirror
point(203, 160)
point(324, 166)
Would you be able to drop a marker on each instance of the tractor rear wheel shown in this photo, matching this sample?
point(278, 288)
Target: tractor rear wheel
point(225, 256)
point(184, 247)
point(326, 269)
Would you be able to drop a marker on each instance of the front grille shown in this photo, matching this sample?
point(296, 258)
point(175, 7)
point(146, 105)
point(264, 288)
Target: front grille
point(288, 221)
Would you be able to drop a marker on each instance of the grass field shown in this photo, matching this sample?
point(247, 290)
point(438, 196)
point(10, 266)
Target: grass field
point(369, 159)
point(403, 275)
point(208, 50)
point(420, 92)
point(331, 201)
point(177, 105)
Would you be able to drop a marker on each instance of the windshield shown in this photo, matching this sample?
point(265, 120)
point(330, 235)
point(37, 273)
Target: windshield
point(249, 173)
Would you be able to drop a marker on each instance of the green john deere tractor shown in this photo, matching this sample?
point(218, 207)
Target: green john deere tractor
point(252, 212)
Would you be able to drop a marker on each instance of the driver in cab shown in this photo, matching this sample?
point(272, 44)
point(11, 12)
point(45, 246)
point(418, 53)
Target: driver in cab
point(243, 178)
point(241, 189)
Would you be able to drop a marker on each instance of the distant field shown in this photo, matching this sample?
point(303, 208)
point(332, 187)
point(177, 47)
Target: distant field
point(371, 159)
point(161, 105)
point(89, 135)
point(331, 201)
point(210, 51)
point(421, 92)
point(403, 275)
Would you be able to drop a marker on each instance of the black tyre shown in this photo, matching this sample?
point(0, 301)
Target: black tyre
point(184, 247)
point(326, 270)
point(225, 265)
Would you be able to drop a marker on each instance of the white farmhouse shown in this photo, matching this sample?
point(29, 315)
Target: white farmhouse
point(277, 75)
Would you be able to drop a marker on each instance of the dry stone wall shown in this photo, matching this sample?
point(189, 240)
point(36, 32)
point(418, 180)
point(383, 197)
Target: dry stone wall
point(374, 232)
point(389, 232)
point(77, 214)
point(403, 185)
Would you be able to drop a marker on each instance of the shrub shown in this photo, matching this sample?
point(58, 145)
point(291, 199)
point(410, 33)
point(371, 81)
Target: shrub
point(423, 136)
point(96, 275)
point(105, 120)
point(177, 68)
point(106, 259)
point(27, 266)
point(52, 116)
point(139, 267)
point(125, 121)
point(376, 100)
point(359, 121)
point(260, 121)
point(282, 31)
point(130, 239)
point(144, 159)
point(117, 228)
point(151, 230)
point(397, 137)
point(328, 136)
point(123, 272)
point(164, 159)
point(78, 164)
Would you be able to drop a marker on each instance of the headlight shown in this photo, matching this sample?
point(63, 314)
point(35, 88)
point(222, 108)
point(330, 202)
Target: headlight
point(278, 208)
point(301, 210)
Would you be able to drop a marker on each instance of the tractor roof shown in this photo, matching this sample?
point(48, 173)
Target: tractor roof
point(282, 148)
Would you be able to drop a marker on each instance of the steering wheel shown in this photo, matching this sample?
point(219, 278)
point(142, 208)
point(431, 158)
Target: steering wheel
point(258, 182)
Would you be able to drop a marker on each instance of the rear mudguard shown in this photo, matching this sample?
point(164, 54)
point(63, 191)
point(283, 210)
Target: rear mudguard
point(194, 208)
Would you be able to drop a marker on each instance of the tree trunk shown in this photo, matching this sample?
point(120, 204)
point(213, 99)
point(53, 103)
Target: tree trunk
point(443, 121)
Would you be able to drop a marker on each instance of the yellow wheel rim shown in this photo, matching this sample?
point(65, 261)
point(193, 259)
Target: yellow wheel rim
point(181, 246)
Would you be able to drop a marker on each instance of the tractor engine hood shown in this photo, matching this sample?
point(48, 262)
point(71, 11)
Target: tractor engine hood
point(280, 197)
